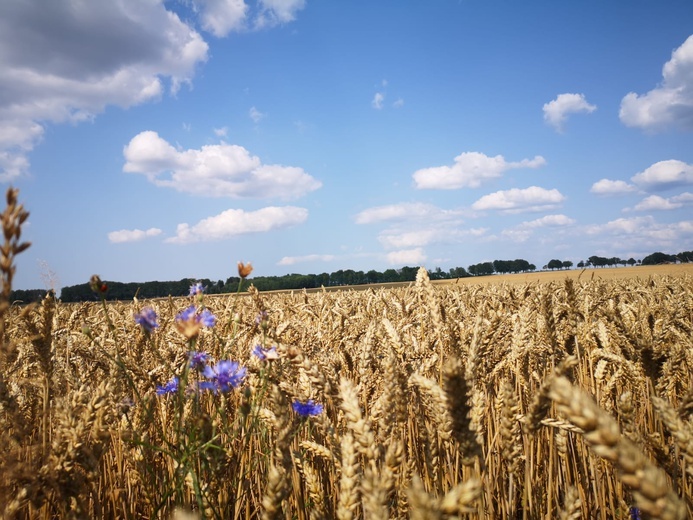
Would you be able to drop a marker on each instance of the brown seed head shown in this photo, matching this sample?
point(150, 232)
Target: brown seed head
point(244, 269)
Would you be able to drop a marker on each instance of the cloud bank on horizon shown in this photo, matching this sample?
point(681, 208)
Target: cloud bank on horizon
point(218, 113)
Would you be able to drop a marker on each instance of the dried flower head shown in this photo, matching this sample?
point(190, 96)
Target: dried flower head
point(244, 269)
point(97, 285)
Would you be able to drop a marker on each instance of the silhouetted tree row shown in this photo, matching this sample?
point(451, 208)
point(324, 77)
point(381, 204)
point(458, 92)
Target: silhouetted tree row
point(558, 264)
point(27, 295)
point(501, 267)
point(342, 277)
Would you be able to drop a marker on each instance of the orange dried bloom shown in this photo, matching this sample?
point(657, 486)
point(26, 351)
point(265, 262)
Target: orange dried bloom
point(244, 269)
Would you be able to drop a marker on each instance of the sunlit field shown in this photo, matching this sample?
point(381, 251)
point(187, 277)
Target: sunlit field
point(553, 395)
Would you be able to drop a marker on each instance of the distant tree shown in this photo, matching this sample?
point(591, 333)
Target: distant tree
point(408, 274)
point(390, 275)
point(685, 256)
point(531, 267)
point(598, 261)
point(28, 295)
point(581, 264)
point(566, 264)
point(554, 264)
point(631, 262)
point(658, 258)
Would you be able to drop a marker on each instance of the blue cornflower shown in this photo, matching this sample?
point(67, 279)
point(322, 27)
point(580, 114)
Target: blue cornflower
point(169, 388)
point(223, 376)
point(635, 513)
point(189, 321)
point(147, 319)
point(198, 360)
point(207, 318)
point(265, 354)
point(197, 288)
point(307, 409)
point(187, 314)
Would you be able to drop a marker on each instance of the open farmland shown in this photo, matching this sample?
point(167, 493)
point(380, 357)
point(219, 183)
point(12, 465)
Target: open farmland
point(603, 273)
point(557, 399)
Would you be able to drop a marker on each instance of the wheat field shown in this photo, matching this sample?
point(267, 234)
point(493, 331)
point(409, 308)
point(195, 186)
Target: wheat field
point(562, 399)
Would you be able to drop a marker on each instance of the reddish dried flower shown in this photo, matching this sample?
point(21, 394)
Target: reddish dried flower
point(244, 269)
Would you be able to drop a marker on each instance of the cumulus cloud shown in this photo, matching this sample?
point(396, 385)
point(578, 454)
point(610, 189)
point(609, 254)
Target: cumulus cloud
point(657, 203)
point(404, 211)
point(220, 17)
point(411, 257)
point(556, 112)
point(377, 101)
point(132, 235)
point(235, 222)
point(643, 233)
point(291, 260)
point(609, 187)
point(524, 231)
point(669, 105)
point(221, 170)
point(665, 174)
point(221, 132)
point(517, 200)
point(117, 53)
point(399, 103)
point(470, 170)
point(549, 221)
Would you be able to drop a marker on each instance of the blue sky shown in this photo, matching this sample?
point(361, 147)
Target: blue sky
point(161, 140)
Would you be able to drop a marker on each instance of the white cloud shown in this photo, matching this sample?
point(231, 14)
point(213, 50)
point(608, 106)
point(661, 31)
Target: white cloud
point(256, 115)
point(132, 235)
point(399, 103)
point(291, 260)
point(557, 111)
point(404, 211)
point(609, 187)
point(377, 102)
point(222, 170)
point(643, 234)
point(469, 171)
point(657, 203)
point(220, 17)
point(517, 200)
point(549, 221)
point(665, 174)
point(683, 198)
point(234, 222)
point(524, 231)
point(277, 12)
point(63, 61)
point(671, 103)
point(221, 132)
point(410, 257)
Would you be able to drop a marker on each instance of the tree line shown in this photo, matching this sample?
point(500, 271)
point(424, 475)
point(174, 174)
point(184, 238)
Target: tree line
point(341, 277)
